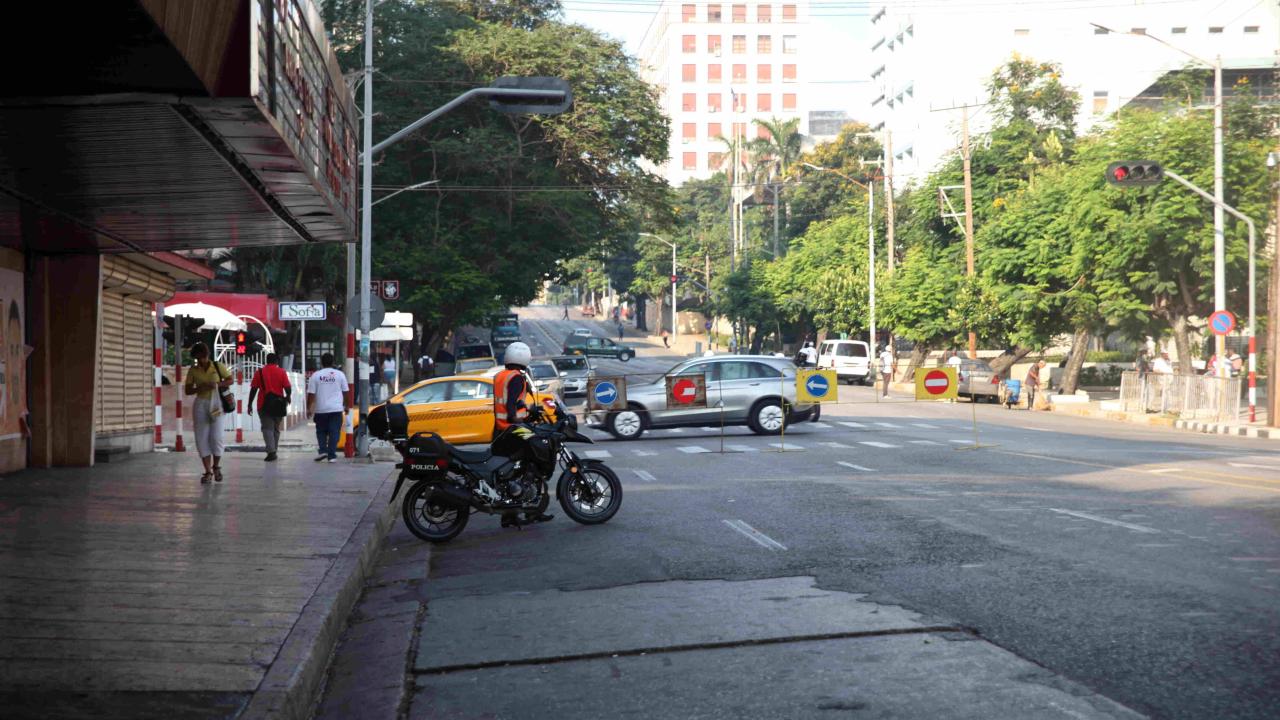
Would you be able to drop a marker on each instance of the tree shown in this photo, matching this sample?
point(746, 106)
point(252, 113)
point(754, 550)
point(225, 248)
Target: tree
point(774, 155)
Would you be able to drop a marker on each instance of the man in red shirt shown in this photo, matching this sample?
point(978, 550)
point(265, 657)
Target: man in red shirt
point(273, 402)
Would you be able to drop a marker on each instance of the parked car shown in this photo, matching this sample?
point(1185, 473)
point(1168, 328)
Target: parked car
point(851, 359)
point(976, 379)
point(474, 350)
point(474, 366)
point(597, 347)
point(574, 370)
point(750, 390)
point(459, 409)
point(546, 378)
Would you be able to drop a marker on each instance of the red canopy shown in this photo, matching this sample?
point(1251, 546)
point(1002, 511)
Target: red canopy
point(259, 306)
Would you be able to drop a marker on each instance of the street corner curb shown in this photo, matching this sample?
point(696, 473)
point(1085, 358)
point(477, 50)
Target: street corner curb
point(1262, 433)
point(295, 680)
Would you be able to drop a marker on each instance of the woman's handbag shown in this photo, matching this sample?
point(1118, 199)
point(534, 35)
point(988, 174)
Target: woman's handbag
point(225, 394)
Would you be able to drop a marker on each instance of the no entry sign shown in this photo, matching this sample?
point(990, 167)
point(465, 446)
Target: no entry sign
point(936, 384)
point(686, 391)
point(1222, 322)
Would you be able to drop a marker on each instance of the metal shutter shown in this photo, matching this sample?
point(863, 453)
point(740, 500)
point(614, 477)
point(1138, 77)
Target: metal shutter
point(126, 401)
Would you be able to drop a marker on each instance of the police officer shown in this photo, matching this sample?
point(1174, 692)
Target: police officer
point(513, 403)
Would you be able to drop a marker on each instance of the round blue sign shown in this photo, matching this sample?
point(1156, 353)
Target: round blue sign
point(606, 393)
point(817, 385)
point(1222, 322)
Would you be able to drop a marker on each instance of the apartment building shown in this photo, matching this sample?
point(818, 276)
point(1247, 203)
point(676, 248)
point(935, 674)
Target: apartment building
point(926, 58)
point(718, 66)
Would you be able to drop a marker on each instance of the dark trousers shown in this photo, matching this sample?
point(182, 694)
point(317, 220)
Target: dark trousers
point(328, 427)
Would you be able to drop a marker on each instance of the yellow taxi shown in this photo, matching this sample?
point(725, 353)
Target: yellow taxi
point(474, 366)
point(458, 408)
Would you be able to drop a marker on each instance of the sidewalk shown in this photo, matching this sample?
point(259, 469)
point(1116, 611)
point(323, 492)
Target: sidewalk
point(130, 590)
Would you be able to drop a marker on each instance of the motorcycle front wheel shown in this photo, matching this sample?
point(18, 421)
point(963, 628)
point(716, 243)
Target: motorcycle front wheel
point(432, 518)
point(591, 496)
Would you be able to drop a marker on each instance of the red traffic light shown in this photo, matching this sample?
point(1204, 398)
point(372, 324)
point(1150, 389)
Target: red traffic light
point(1137, 173)
point(673, 279)
point(241, 346)
point(1120, 173)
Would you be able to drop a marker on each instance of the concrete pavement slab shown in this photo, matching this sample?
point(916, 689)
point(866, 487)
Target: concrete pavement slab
point(132, 590)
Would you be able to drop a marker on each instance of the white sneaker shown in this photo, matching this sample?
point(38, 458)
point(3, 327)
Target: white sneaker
point(333, 460)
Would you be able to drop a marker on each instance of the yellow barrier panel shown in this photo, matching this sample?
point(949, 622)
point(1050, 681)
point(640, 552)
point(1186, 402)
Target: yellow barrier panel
point(936, 383)
point(816, 386)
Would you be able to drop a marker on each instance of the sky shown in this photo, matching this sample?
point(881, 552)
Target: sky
point(838, 45)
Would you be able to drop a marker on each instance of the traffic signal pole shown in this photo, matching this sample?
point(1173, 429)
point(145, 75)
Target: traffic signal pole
point(968, 216)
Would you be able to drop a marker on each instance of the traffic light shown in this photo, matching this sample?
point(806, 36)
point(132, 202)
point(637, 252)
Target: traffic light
point(190, 329)
point(242, 343)
point(674, 278)
point(519, 104)
point(1136, 173)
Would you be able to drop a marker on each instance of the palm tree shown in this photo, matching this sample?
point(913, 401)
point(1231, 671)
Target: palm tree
point(774, 155)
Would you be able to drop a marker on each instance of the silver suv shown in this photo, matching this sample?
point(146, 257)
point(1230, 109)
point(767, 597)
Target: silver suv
point(741, 390)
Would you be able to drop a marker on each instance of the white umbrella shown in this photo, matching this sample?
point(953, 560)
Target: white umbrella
point(215, 318)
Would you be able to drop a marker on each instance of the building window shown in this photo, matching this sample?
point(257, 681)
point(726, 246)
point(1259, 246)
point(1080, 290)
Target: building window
point(764, 13)
point(739, 13)
point(713, 13)
point(764, 102)
point(1215, 30)
point(689, 72)
point(788, 73)
point(739, 73)
point(764, 44)
point(715, 160)
point(713, 102)
point(739, 44)
point(1180, 30)
point(1101, 31)
point(1020, 32)
point(690, 161)
point(1251, 28)
point(714, 131)
point(688, 132)
point(713, 73)
point(1099, 102)
point(689, 43)
point(688, 13)
point(713, 45)
point(764, 73)
point(763, 133)
point(689, 102)
point(788, 13)
point(789, 44)
point(788, 101)
point(739, 102)
point(739, 130)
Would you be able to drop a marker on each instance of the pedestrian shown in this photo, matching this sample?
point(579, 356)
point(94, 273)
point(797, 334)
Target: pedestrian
point(389, 370)
point(327, 403)
point(205, 379)
point(1032, 383)
point(1237, 363)
point(1162, 366)
point(1143, 363)
point(425, 367)
point(733, 344)
point(810, 354)
point(273, 402)
point(566, 312)
point(375, 380)
point(888, 365)
point(666, 338)
point(619, 329)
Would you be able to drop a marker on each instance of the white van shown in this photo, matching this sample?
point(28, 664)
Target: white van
point(851, 360)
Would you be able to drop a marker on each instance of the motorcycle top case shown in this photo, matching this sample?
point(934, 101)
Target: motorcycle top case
point(389, 421)
point(426, 455)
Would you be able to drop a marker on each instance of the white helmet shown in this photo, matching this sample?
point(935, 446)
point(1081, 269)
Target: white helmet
point(517, 354)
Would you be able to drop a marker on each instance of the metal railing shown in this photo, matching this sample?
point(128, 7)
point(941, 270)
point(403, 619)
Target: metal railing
point(1191, 397)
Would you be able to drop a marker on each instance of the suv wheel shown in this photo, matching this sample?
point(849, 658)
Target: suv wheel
point(625, 356)
point(767, 417)
point(626, 424)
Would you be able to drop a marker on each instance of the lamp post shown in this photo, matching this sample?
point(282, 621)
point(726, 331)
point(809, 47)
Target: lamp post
point(1219, 251)
point(675, 323)
point(871, 245)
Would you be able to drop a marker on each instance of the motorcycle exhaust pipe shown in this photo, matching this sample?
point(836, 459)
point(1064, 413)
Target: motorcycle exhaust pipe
point(452, 494)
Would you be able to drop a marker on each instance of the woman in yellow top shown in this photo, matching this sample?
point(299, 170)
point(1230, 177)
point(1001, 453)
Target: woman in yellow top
point(204, 379)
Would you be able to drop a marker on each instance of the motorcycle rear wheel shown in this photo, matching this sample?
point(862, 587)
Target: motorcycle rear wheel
point(432, 519)
point(592, 496)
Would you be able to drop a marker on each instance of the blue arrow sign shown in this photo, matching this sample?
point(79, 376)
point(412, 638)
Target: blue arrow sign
point(606, 393)
point(817, 385)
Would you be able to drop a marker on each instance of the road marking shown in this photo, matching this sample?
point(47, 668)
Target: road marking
point(923, 442)
point(1252, 559)
point(598, 454)
point(1108, 521)
point(1159, 471)
point(822, 425)
point(645, 475)
point(873, 443)
point(710, 429)
point(852, 424)
point(787, 446)
point(675, 430)
point(854, 467)
point(1251, 465)
point(926, 426)
point(741, 448)
point(889, 425)
point(836, 445)
point(755, 535)
point(692, 449)
point(961, 442)
point(644, 453)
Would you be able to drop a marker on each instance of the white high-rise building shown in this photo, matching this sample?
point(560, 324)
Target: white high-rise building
point(928, 57)
point(718, 66)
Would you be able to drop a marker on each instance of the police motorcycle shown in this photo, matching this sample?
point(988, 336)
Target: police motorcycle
point(510, 478)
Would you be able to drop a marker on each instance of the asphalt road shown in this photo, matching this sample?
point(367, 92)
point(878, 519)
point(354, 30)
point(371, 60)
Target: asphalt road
point(1096, 569)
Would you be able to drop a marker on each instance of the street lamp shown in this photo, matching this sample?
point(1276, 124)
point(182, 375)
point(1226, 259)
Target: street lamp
point(871, 243)
point(1219, 252)
point(415, 186)
point(675, 322)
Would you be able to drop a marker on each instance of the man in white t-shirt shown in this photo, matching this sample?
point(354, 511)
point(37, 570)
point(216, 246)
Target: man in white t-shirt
point(327, 401)
point(810, 355)
point(887, 367)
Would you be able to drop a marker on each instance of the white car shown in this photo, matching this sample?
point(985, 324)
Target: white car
point(851, 359)
point(582, 332)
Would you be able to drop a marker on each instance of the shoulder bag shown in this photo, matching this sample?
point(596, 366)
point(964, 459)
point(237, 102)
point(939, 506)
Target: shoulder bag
point(224, 394)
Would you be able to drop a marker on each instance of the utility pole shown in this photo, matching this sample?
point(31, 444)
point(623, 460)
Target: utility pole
point(968, 216)
point(366, 230)
point(1219, 233)
point(1273, 327)
point(888, 195)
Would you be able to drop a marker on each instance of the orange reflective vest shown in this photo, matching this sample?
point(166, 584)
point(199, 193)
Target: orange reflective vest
point(503, 414)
